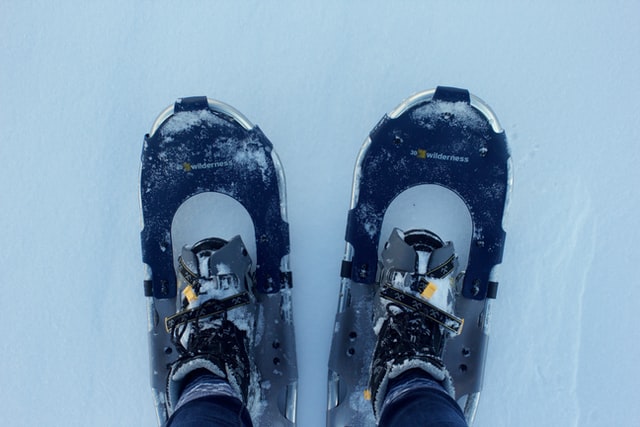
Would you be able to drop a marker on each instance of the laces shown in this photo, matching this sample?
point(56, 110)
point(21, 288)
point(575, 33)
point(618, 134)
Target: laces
point(195, 328)
point(207, 329)
point(412, 333)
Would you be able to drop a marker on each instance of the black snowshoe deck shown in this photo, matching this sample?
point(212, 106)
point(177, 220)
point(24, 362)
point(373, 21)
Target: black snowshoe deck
point(444, 137)
point(202, 146)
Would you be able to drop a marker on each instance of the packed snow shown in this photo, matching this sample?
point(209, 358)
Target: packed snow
point(82, 82)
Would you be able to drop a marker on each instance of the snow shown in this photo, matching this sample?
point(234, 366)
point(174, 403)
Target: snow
point(456, 113)
point(423, 259)
point(186, 120)
point(82, 82)
point(370, 218)
point(250, 156)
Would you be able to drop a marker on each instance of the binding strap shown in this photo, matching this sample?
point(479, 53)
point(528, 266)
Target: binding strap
point(210, 308)
point(446, 320)
point(189, 276)
point(442, 261)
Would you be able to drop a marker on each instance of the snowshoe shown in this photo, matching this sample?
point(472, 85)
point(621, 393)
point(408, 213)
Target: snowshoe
point(208, 171)
point(438, 161)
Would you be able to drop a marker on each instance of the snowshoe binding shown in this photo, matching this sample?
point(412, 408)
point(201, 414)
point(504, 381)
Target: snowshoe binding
point(214, 324)
point(414, 310)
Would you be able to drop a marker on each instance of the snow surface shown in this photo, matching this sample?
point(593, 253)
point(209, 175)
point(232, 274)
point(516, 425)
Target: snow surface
point(82, 82)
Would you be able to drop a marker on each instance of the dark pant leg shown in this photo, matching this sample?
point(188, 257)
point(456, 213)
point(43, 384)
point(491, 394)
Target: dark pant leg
point(415, 399)
point(212, 411)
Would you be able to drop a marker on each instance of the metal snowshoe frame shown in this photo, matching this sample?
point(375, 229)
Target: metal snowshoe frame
point(469, 158)
point(199, 159)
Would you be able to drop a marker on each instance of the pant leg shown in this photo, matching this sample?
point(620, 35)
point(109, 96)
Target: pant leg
point(208, 401)
point(416, 399)
point(214, 411)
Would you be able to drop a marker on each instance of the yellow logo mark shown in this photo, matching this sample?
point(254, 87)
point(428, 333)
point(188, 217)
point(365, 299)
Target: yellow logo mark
point(367, 394)
point(186, 167)
point(421, 154)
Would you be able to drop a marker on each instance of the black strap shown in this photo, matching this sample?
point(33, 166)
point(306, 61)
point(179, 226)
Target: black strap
point(441, 317)
point(210, 308)
point(190, 277)
point(443, 269)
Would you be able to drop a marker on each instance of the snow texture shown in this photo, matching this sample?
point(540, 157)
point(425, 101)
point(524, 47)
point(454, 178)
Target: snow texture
point(186, 120)
point(457, 114)
point(82, 82)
